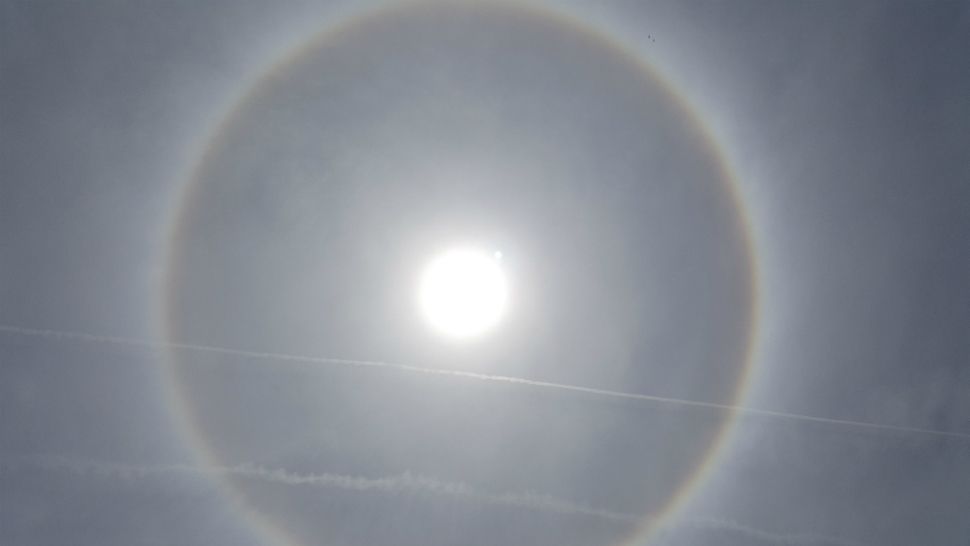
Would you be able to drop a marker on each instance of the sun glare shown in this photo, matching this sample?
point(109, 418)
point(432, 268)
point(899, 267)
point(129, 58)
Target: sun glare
point(463, 292)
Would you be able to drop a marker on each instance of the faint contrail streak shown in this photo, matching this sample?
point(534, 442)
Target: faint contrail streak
point(775, 537)
point(304, 360)
point(405, 483)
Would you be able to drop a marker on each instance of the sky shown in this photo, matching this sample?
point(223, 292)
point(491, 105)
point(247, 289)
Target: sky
point(736, 235)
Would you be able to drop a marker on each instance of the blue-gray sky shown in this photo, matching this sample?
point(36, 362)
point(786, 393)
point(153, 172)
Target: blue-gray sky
point(845, 128)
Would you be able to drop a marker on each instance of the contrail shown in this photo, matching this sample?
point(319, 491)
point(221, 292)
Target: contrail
point(792, 539)
point(308, 360)
point(404, 483)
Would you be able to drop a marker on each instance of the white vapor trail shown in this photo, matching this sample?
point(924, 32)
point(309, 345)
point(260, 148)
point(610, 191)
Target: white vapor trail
point(404, 483)
point(792, 539)
point(310, 360)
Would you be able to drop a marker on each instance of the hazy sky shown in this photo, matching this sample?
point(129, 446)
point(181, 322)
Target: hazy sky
point(690, 198)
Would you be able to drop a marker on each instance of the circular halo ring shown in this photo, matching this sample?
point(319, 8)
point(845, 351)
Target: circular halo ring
point(177, 402)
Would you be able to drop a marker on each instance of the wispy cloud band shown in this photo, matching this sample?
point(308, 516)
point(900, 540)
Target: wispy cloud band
point(407, 483)
point(404, 483)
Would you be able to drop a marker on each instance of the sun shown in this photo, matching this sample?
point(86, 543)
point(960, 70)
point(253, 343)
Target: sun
point(463, 292)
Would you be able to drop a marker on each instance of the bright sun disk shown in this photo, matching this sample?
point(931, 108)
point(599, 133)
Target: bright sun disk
point(463, 292)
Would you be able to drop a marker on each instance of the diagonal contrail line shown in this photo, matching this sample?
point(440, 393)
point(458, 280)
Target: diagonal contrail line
point(300, 359)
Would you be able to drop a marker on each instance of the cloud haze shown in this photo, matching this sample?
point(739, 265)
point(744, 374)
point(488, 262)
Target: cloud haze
point(149, 322)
